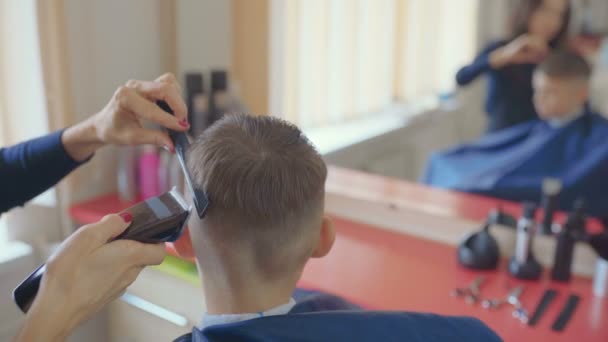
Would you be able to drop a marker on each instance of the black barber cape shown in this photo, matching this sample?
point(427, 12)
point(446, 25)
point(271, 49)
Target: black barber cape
point(322, 317)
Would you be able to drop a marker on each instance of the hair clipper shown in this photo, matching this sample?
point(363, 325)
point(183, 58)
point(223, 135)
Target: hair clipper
point(158, 219)
point(523, 264)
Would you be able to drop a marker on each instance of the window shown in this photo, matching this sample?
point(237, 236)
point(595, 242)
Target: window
point(337, 60)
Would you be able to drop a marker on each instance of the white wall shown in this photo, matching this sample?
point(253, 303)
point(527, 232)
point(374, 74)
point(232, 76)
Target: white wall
point(204, 35)
point(109, 42)
point(493, 20)
point(112, 41)
point(22, 89)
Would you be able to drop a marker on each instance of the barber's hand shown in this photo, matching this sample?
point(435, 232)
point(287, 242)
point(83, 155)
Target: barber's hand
point(120, 121)
point(84, 275)
point(524, 49)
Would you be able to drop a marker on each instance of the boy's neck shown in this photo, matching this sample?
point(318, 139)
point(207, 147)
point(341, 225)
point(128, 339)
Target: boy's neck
point(250, 299)
point(567, 118)
point(239, 294)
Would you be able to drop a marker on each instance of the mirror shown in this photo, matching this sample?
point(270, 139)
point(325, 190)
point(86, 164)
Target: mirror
point(376, 85)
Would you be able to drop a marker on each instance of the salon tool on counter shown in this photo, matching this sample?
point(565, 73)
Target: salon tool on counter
point(523, 264)
point(501, 218)
point(158, 219)
point(497, 303)
point(566, 313)
point(218, 101)
point(519, 311)
point(542, 306)
point(573, 231)
point(479, 250)
point(599, 243)
point(512, 298)
point(551, 189)
point(600, 278)
point(197, 101)
point(470, 294)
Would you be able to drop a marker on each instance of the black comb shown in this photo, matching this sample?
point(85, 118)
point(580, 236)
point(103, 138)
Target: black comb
point(180, 140)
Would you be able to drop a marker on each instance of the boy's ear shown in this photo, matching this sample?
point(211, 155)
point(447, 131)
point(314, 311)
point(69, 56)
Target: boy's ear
point(327, 236)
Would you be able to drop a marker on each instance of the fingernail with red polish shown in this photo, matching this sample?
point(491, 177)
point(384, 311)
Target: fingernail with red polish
point(184, 123)
point(127, 217)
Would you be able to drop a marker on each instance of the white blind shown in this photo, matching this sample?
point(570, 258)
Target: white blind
point(439, 37)
point(335, 60)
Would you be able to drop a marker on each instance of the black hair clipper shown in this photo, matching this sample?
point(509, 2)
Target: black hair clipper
point(158, 219)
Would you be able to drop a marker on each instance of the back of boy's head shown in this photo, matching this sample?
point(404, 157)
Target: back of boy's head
point(265, 182)
point(564, 64)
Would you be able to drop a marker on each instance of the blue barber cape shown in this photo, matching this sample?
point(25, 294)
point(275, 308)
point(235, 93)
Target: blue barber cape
point(512, 164)
point(322, 317)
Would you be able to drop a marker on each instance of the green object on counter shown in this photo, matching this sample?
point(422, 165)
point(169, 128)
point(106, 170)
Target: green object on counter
point(180, 268)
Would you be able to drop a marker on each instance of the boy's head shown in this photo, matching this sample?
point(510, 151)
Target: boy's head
point(561, 85)
point(266, 185)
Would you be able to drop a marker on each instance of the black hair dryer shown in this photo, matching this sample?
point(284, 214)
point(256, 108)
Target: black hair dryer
point(479, 250)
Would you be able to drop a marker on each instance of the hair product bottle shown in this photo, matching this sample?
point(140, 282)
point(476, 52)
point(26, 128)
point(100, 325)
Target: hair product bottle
point(149, 163)
point(127, 174)
point(198, 103)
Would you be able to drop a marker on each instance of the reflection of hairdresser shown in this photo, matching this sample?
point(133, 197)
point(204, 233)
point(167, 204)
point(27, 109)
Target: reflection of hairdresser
point(87, 272)
point(538, 26)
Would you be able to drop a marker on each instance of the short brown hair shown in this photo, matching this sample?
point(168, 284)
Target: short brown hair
point(265, 183)
point(522, 13)
point(565, 64)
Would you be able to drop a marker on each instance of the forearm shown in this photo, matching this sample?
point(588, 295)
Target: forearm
point(497, 59)
point(469, 73)
point(81, 141)
point(32, 167)
point(483, 63)
point(45, 322)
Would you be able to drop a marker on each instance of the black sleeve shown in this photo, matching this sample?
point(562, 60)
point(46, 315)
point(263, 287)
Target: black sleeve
point(480, 65)
point(30, 168)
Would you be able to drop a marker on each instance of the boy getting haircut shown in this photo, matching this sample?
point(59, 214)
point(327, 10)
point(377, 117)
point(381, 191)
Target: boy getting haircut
point(266, 186)
point(265, 183)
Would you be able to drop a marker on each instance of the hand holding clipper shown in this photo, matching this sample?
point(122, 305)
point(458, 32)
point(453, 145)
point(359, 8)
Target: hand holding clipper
point(158, 219)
